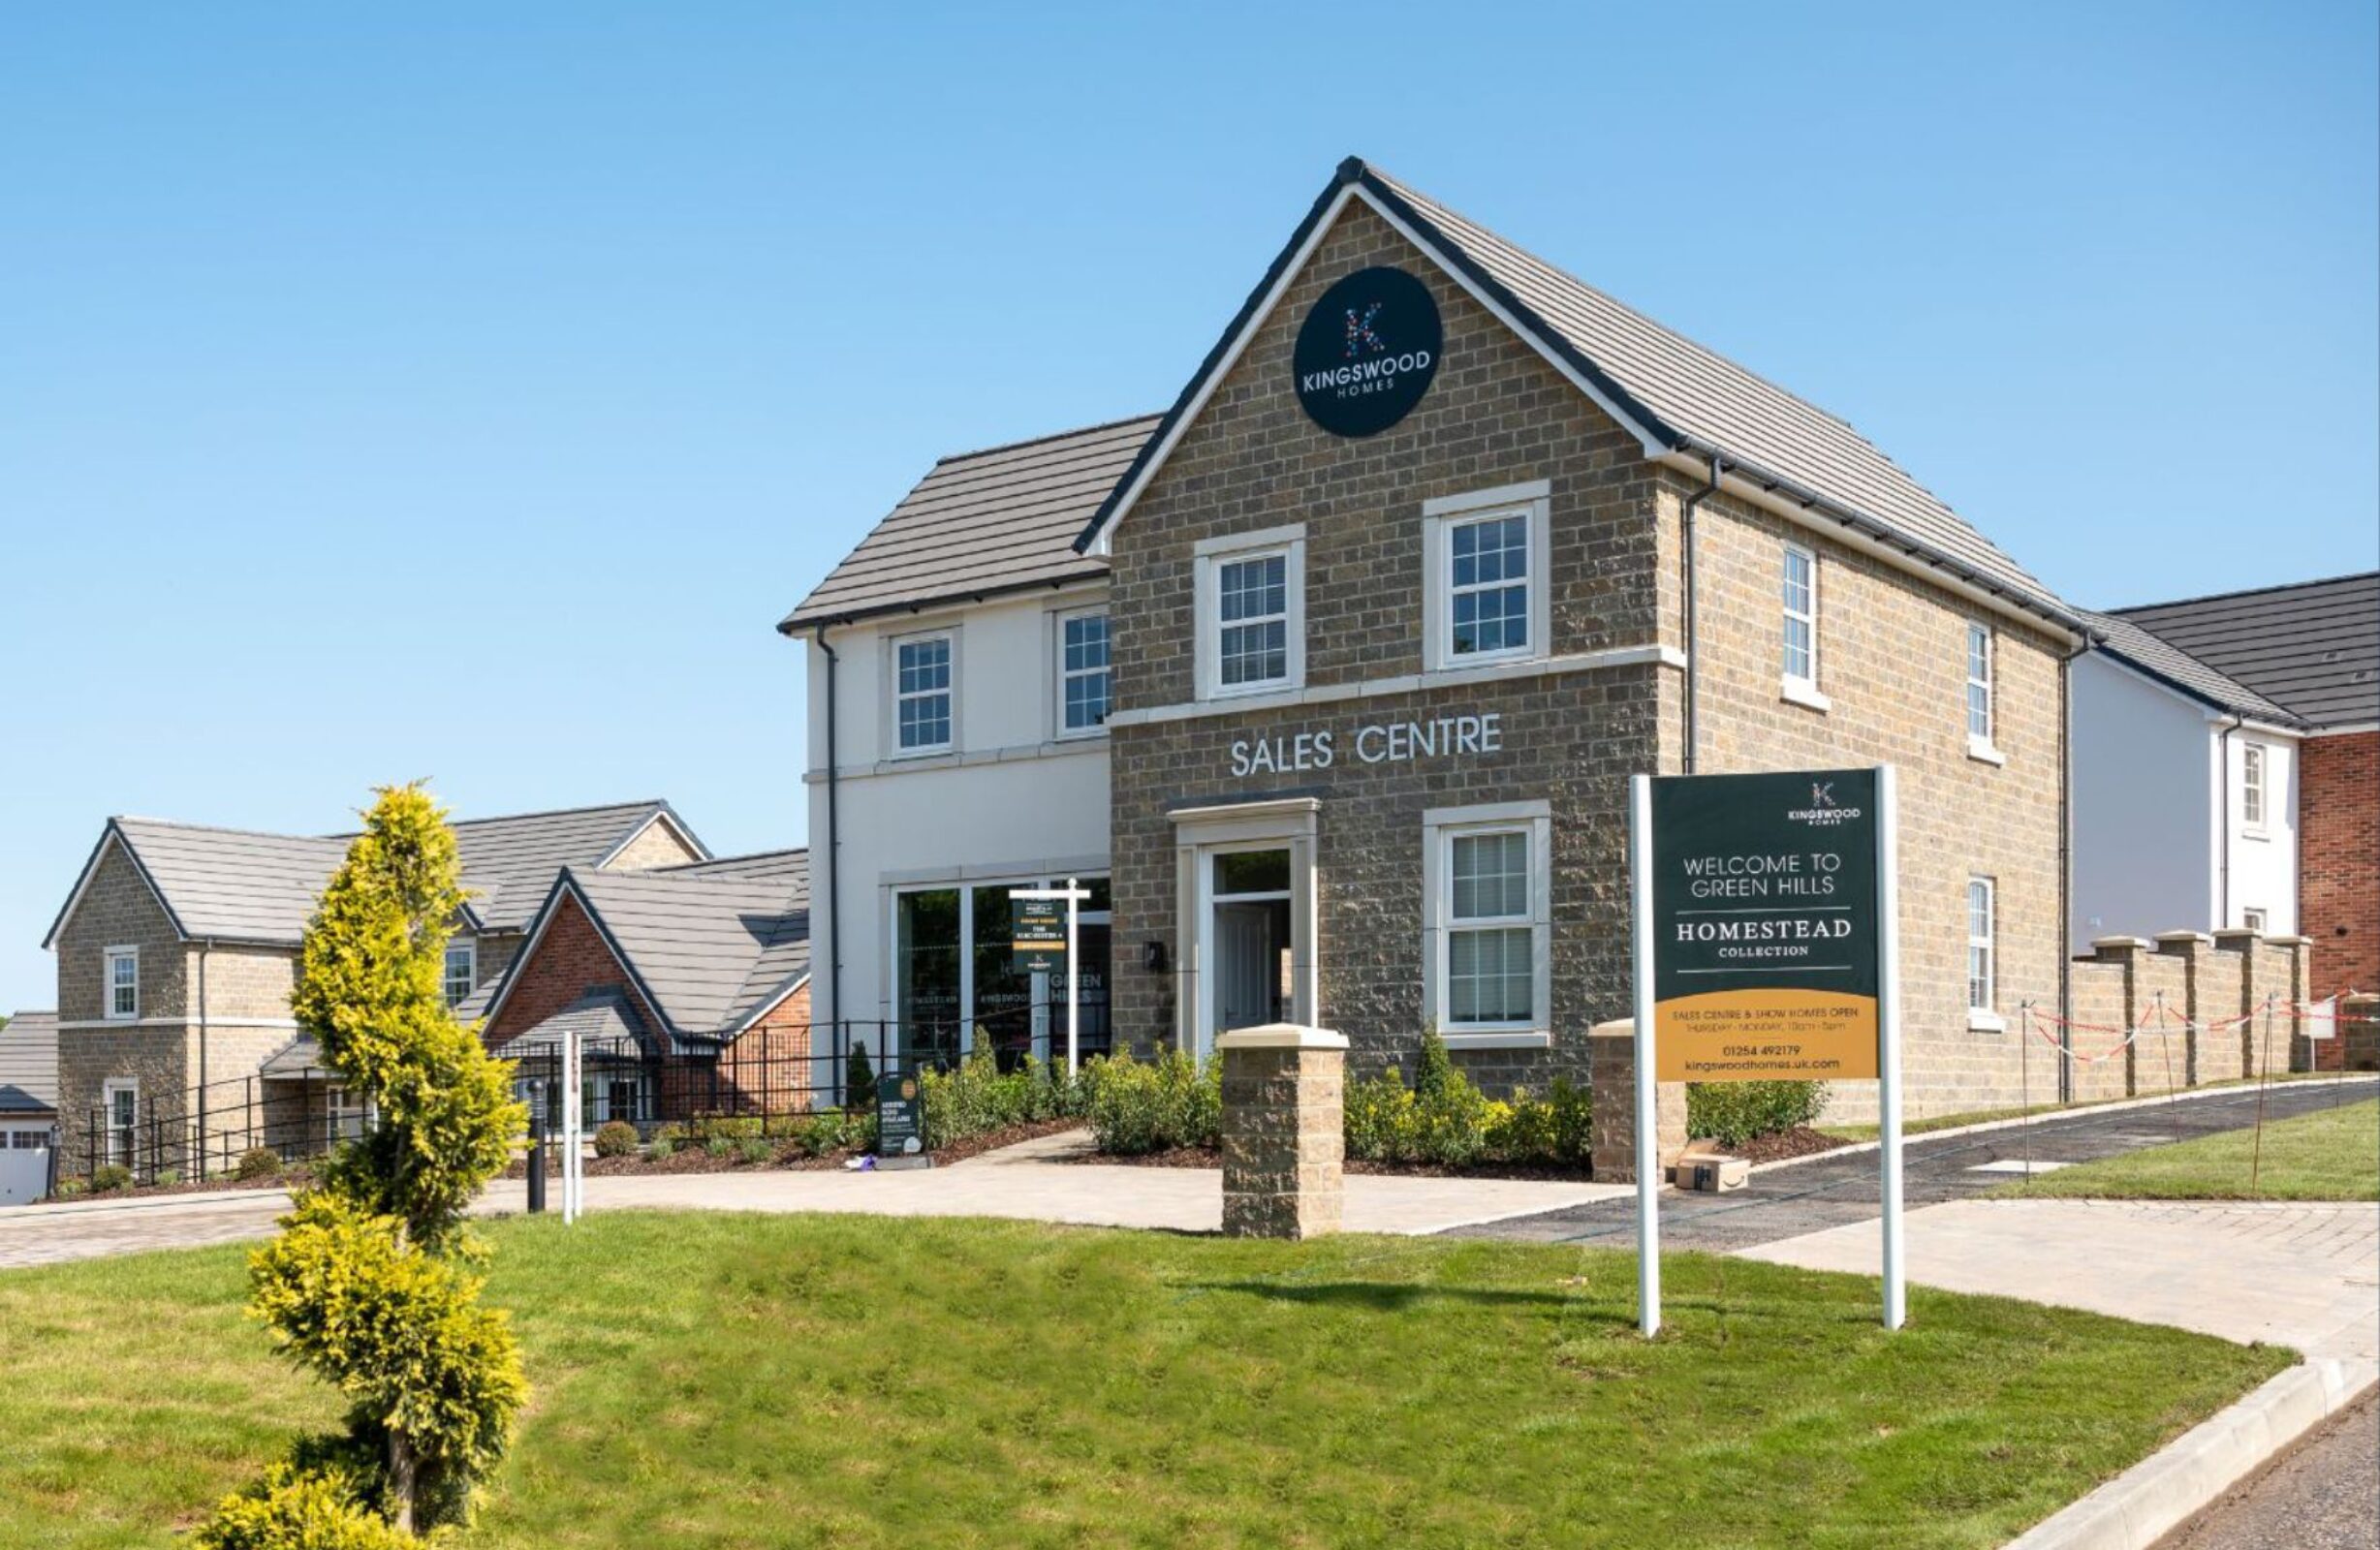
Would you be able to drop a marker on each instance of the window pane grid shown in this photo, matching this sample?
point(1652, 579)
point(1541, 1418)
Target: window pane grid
point(922, 682)
point(1979, 944)
point(1489, 974)
point(1083, 670)
point(2252, 784)
point(1488, 572)
point(1252, 642)
point(1801, 599)
point(1979, 683)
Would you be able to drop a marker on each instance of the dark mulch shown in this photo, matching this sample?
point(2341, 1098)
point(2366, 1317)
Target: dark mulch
point(286, 1179)
point(1778, 1145)
point(1007, 1135)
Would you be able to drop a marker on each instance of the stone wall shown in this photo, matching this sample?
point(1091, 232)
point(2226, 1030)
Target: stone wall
point(2209, 1010)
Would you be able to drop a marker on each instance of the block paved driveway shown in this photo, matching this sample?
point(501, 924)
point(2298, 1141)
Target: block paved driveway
point(1032, 1182)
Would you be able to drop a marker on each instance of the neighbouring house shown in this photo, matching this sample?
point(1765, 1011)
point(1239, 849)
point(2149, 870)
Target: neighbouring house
point(1435, 548)
point(2227, 771)
point(177, 948)
point(959, 694)
point(688, 987)
point(28, 1079)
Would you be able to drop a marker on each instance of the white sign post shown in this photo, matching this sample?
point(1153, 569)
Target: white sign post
point(1074, 897)
point(572, 1087)
point(1821, 811)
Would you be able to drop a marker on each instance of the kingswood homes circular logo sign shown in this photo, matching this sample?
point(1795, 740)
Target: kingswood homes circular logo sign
point(1366, 353)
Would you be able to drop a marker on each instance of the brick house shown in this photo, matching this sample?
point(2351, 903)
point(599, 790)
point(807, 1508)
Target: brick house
point(177, 950)
point(688, 985)
point(1376, 680)
point(2298, 791)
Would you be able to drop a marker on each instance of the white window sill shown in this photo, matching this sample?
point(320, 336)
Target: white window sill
point(2256, 834)
point(1077, 735)
point(1270, 686)
point(1802, 691)
point(938, 751)
point(1500, 1038)
point(1984, 753)
point(1980, 1021)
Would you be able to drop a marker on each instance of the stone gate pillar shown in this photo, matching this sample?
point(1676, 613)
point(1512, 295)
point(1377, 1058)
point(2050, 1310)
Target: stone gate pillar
point(1611, 1069)
point(1284, 1130)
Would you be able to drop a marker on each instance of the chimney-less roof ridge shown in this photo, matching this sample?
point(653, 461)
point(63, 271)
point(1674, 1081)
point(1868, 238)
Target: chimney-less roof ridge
point(1051, 436)
point(2244, 592)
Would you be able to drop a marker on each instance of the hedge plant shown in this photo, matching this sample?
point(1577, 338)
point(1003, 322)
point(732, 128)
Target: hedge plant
point(1731, 1114)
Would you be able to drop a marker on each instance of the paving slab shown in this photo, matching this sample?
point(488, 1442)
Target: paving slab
point(2301, 1274)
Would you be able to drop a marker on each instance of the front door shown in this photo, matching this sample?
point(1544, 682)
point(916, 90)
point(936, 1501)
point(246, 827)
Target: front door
point(1248, 957)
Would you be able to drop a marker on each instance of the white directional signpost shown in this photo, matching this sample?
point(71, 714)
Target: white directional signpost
point(1040, 943)
point(1767, 948)
point(573, 1085)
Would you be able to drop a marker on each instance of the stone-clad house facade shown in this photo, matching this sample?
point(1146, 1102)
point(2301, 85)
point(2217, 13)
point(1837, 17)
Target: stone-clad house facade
point(176, 952)
point(1387, 767)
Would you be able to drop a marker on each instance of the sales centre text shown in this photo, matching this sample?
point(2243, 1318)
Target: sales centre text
point(1376, 743)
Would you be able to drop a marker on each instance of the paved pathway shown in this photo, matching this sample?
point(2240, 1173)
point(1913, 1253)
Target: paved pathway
point(1834, 1189)
point(1030, 1182)
point(2322, 1495)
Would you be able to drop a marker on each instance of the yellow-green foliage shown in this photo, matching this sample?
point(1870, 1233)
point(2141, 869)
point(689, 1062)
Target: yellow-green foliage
point(292, 1510)
point(366, 1284)
point(400, 1331)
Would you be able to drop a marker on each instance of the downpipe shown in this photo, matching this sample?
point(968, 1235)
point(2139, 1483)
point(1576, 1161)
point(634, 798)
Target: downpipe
point(1694, 661)
point(834, 879)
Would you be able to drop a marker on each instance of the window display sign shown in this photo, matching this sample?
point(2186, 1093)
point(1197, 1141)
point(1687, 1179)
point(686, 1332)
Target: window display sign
point(1037, 935)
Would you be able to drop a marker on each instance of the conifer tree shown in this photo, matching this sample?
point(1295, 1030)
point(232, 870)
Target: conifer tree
point(373, 1280)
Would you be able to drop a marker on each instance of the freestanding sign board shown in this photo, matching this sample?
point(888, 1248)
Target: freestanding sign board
point(1037, 934)
point(1767, 948)
point(900, 1118)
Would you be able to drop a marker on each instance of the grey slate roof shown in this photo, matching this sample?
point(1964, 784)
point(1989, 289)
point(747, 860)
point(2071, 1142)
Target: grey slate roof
point(244, 886)
point(708, 953)
point(791, 867)
point(300, 1058)
point(2129, 644)
point(1683, 395)
point(29, 1063)
point(2313, 647)
point(510, 862)
point(997, 520)
point(603, 1015)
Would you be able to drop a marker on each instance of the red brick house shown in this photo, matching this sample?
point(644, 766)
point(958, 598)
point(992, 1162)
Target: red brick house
point(2314, 649)
point(689, 987)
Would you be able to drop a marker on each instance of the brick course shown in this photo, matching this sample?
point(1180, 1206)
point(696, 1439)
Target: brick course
point(2338, 859)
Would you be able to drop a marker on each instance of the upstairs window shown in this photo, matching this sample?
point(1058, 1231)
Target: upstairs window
point(1801, 633)
point(1487, 578)
point(1251, 612)
point(922, 693)
point(463, 971)
point(1082, 672)
point(2252, 784)
point(123, 983)
point(1979, 684)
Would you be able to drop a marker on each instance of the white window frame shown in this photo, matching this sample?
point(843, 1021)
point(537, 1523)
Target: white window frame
point(1064, 675)
point(109, 1131)
point(1800, 689)
point(1440, 518)
point(469, 946)
point(344, 1120)
point(2256, 795)
point(1982, 645)
point(1440, 827)
point(894, 697)
point(108, 986)
point(2253, 919)
point(1982, 1017)
point(1211, 556)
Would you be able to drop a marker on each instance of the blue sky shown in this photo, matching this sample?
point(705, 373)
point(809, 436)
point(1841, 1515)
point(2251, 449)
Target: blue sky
point(464, 391)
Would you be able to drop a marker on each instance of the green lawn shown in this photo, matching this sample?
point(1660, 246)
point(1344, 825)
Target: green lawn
point(726, 1380)
point(2047, 1110)
point(2331, 1154)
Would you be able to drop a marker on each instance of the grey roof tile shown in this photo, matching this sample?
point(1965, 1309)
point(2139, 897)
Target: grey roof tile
point(2128, 643)
point(510, 862)
point(604, 1015)
point(29, 1059)
point(2313, 646)
point(706, 949)
point(980, 523)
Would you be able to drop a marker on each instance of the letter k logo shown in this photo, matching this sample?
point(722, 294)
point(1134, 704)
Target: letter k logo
point(1360, 334)
point(1822, 794)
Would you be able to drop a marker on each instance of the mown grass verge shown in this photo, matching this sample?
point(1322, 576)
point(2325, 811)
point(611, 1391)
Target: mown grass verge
point(745, 1380)
point(2329, 1155)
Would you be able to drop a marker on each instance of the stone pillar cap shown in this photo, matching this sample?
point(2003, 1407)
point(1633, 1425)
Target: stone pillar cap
point(1616, 1028)
point(2291, 942)
point(1281, 1035)
point(2104, 944)
point(2164, 936)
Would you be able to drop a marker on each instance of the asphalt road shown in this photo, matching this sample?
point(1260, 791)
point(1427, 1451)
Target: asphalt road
point(2322, 1495)
point(1833, 1191)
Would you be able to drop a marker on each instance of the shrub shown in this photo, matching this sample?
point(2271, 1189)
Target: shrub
point(1453, 1123)
point(1433, 1072)
point(616, 1139)
point(1556, 1129)
point(109, 1176)
point(68, 1188)
point(1380, 1121)
point(165, 1178)
point(667, 1140)
point(858, 1080)
point(294, 1509)
point(754, 1148)
point(1137, 1108)
point(1731, 1114)
point(258, 1162)
point(720, 1146)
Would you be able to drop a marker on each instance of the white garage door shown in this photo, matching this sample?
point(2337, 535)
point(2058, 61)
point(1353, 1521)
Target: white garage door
point(24, 1165)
